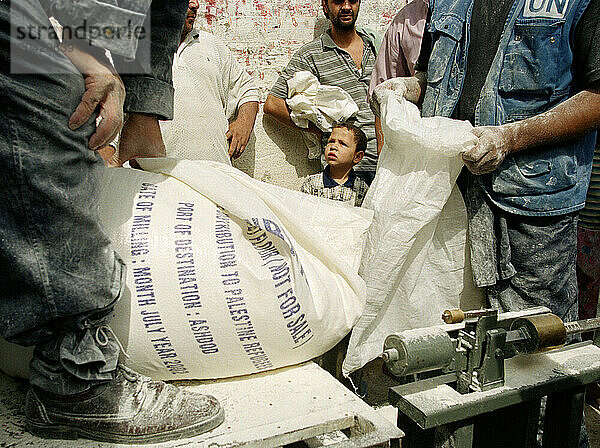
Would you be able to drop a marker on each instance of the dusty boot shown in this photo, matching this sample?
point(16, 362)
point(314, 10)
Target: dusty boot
point(130, 409)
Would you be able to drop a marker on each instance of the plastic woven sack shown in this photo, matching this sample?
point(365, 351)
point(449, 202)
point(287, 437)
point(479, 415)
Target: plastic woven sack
point(321, 104)
point(415, 261)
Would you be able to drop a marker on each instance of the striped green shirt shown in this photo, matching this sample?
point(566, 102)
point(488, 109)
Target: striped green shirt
point(334, 67)
point(589, 217)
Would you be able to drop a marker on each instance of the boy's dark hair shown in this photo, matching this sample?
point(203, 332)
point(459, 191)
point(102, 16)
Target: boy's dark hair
point(360, 139)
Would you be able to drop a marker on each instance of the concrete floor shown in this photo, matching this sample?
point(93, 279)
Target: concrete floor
point(270, 409)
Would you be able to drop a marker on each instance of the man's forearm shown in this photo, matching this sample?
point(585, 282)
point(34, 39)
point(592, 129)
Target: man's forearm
point(277, 108)
point(247, 112)
point(411, 88)
point(416, 90)
point(577, 116)
point(378, 134)
point(240, 129)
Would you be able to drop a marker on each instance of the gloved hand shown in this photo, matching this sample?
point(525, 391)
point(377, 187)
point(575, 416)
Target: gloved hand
point(494, 144)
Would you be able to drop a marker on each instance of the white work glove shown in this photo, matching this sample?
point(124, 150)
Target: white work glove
point(493, 145)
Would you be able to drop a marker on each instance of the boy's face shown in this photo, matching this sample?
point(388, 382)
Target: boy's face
point(340, 149)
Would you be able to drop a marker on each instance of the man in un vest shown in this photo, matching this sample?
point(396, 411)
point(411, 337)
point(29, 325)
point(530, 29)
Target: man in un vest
point(526, 73)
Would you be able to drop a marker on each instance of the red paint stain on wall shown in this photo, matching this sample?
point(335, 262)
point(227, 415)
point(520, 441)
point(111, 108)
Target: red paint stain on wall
point(210, 13)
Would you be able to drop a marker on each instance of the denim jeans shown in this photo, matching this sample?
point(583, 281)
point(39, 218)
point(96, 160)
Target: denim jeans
point(60, 276)
point(523, 261)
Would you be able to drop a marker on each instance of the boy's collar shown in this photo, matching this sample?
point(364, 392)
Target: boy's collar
point(328, 181)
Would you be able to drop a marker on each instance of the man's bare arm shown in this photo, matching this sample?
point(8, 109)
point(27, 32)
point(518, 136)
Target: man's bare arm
point(416, 88)
point(378, 134)
point(277, 108)
point(140, 138)
point(240, 129)
point(573, 118)
point(412, 88)
point(140, 134)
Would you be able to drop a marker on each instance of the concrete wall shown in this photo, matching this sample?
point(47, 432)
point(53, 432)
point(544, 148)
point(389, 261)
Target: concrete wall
point(263, 34)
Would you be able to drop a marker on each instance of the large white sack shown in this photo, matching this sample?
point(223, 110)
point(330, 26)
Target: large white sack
point(414, 263)
point(227, 275)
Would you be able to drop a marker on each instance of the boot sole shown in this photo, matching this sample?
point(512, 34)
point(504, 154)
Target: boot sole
point(66, 432)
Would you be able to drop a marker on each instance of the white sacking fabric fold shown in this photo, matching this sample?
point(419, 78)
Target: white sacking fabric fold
point(415, 262)
point(321, 104)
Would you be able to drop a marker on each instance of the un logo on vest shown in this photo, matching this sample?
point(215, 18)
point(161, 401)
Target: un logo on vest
point(551, 9)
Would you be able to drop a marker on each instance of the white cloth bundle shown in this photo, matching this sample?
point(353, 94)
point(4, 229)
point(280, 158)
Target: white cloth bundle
point(322, 104)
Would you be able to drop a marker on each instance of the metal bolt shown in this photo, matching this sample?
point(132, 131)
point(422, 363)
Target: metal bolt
point(389, 355)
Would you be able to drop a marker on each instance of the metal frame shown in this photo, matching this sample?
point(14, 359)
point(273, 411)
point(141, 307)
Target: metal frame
point(431, 411)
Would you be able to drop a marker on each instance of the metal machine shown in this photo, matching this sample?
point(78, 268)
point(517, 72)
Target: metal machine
point(476, 353)
point(472, 380)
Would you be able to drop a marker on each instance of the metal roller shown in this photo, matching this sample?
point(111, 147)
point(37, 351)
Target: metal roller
point(453, 316)
point(540, 331)
point(457, 316)
point(420, 350)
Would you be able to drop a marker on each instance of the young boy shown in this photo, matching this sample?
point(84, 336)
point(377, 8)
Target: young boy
point(345, 148)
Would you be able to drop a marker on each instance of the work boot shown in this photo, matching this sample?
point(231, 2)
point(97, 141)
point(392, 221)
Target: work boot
point(130, 409)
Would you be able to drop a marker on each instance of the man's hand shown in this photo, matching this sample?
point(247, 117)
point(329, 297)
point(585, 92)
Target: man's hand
point(572, 118)
point(412, 88)
point(240, 129)
point(107, 152)
point(238, 135)
point(494, 144)
point(103, 89)
point(140, 138)
point(393, 86)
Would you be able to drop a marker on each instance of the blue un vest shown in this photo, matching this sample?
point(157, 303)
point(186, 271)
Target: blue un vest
point(531, 73)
